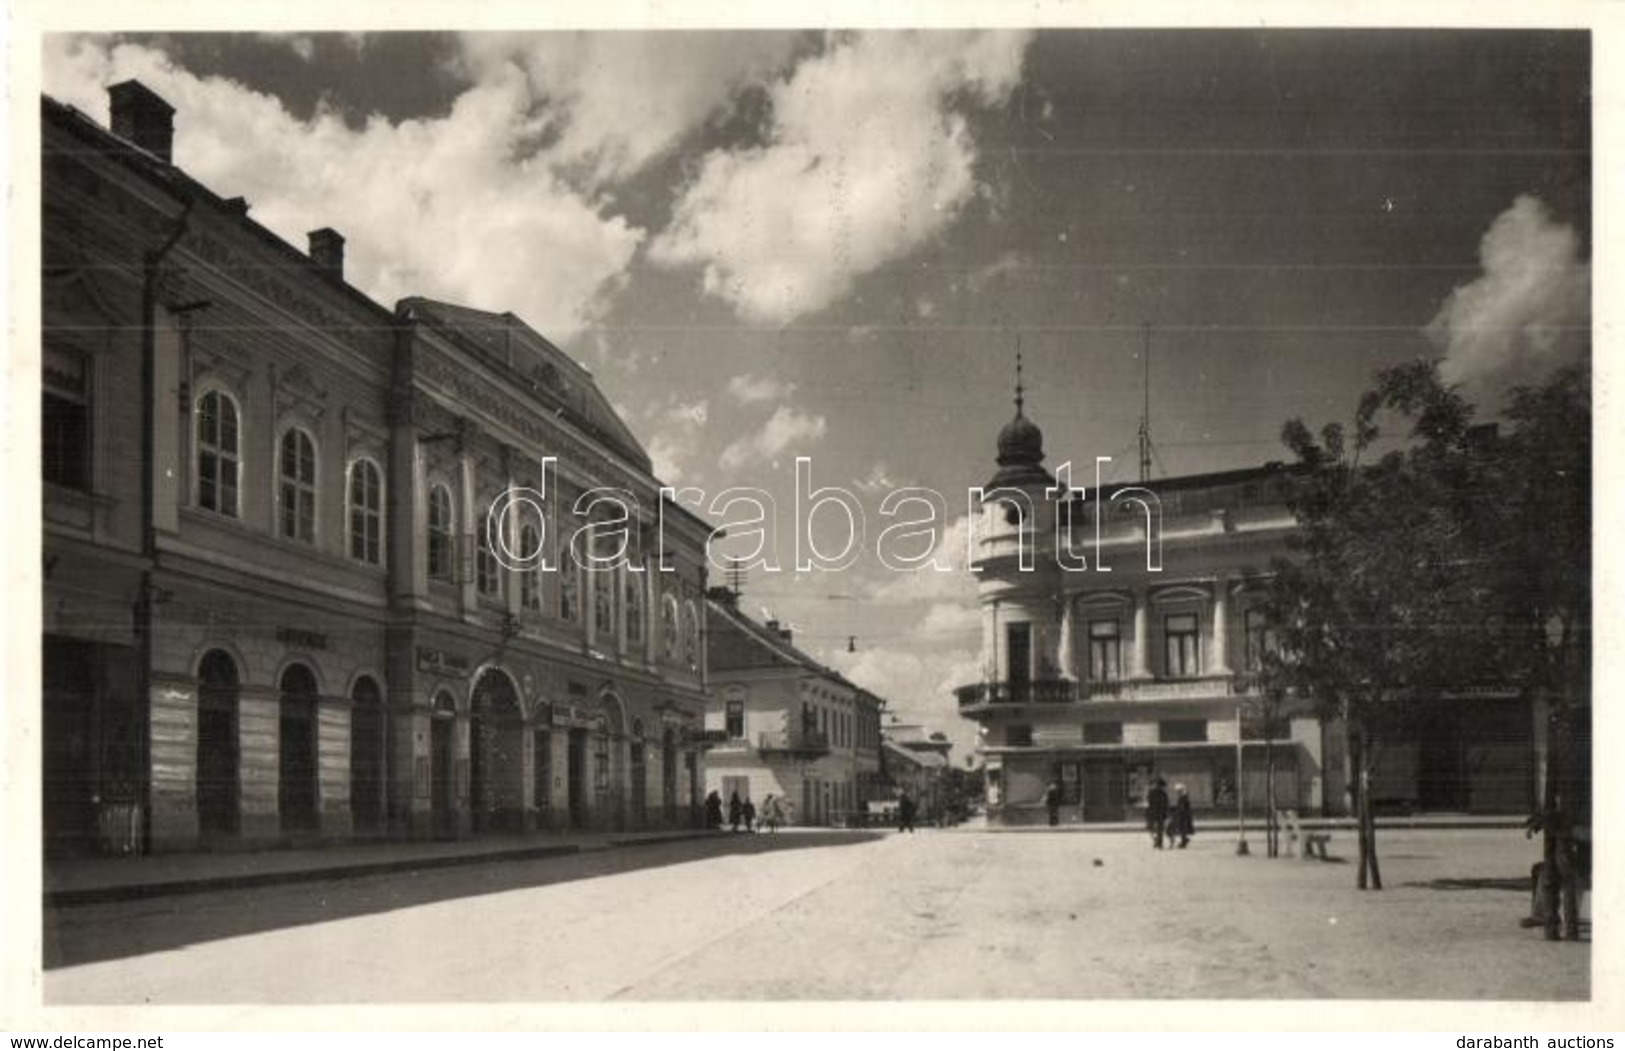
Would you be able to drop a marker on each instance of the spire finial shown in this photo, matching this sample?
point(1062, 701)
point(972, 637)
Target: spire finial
point(1019, 399)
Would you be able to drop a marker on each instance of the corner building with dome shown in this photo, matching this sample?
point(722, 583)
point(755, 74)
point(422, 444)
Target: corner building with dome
point(1135, 662)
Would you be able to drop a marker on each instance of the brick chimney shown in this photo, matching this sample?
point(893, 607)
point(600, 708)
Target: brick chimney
point(143, 118)
point(327, 252)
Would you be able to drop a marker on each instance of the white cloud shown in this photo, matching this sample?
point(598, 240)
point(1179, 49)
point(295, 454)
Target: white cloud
point(751, 389)
point(951, 619)
point(623, 99)
point(955, 585)
point(1529, 312)
point(299, 43)
point(666, 455)
point(877, 483)
point(1009, 263)
point(867, 159)
point(693, 413)
point(460, 207)
point(917, 685)
point(785, 428)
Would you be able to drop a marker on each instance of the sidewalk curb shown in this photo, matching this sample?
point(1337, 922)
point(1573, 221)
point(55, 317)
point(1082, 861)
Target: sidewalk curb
point(58, 899)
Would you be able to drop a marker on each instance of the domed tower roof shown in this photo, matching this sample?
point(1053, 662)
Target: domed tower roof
point(1021, 447)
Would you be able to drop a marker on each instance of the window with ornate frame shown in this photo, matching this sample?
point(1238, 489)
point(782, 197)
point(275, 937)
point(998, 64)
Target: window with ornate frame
point(65, 420)
point(530, 583)
point(487, 573)
point(440, 533)
point(219, 453)
point(669, 627)
point(634, 608)
point(1259, 638)
point(691, 634)
point(1182, 645)
point(1105, 650)
point(366, 512)
point(296, 489)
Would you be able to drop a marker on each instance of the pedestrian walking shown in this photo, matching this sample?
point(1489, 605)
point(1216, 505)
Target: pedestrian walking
point(905, 812)
point(1156, 811)
point(1181, 825)
point(713, 811)
point(748, 811)
point(1052, 800)
point(736, 811)
point(772, 812)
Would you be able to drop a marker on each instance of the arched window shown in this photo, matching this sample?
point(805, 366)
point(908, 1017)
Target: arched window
point(669, 627)
point(634, 608)
point(691, 634)
point(487, 573)
point(296, 467)
point(440, 533)
point(530, 585)
point(569, 589)
point(366, 512)
point(218, 453)
point(603, 601)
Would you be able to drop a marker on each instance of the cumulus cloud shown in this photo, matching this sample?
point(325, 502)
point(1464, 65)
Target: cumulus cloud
point(787, 427)
point(953, 583)
point(1528, 313)
point(623, 99)
point(442, 207)
point(678, 424)
point(750, 389)
point(868, 156)
point(299, 43)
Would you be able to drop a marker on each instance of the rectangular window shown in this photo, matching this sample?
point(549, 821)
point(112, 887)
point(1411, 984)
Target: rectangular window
point(1018, 736)
point(65, 421)
point(1102, 733)
point(736, 720)
point(1260, 639)
point(1105, 651)
point(1182, 731)
point(1182, 651)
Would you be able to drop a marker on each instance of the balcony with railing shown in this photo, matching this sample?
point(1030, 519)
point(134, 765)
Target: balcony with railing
point(798, 744)
point(986, 695)
point(1031, 691)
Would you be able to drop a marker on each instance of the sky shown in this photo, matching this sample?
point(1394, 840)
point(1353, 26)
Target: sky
point(770, 245)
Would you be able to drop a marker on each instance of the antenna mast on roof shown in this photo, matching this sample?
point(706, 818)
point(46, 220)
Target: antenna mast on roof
point(736, 577)
point(1147, 451)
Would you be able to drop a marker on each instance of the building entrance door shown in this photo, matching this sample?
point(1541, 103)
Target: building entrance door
point(575, 775)
point(442, 818)
point(541, 785)
point(1104, 798)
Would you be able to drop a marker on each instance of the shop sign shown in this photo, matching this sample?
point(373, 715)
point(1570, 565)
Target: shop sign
point(302, 638)
point(441, 661)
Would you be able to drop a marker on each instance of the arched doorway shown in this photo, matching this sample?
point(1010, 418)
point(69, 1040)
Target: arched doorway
point(442, 771)
point(496, 760)
point(610, 785)
point(296, 751)
point(219, 688)
point(367, 756)
point(640, 778)
point(668, 776)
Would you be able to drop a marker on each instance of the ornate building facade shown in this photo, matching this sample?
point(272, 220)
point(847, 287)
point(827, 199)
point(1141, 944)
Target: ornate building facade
point(277, 604)
point(1118, 636)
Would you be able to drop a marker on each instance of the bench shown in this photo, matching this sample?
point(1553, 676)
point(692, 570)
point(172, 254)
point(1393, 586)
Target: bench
point(1303, 843)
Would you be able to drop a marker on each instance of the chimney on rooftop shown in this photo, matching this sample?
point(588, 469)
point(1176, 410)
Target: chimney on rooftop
point(143, 118)
point(327, 252)
point(785, 633)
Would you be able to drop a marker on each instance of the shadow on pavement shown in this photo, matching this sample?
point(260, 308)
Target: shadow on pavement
point(78, 934)
point(1521, 884)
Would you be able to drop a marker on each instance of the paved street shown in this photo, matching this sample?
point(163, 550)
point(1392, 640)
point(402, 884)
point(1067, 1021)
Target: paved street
point(937, 915)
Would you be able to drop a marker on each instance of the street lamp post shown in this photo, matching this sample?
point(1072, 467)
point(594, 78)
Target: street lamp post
point(1241, 821)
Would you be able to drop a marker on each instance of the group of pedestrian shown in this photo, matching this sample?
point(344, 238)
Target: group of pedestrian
point(1173, 822)
point(775, 812)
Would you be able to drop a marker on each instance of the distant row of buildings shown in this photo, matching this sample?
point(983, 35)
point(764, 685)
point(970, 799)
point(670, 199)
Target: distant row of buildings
point(277, 607)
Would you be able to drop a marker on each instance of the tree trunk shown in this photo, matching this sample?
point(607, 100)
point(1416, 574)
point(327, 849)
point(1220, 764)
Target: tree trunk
point(1357, 786)
point(1370, 876)
point(1272, 834)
